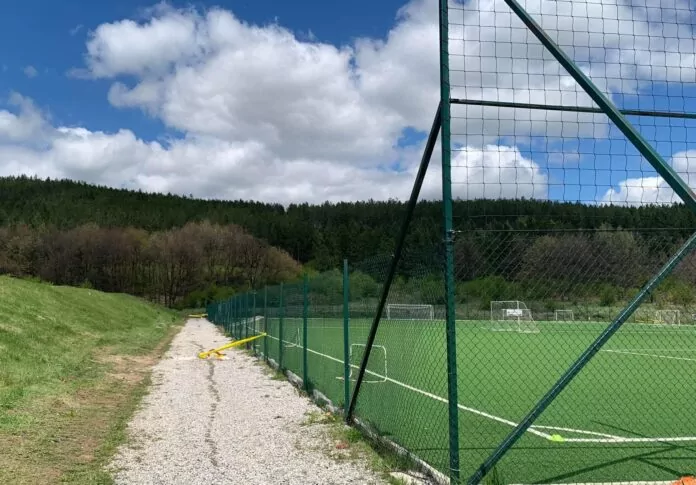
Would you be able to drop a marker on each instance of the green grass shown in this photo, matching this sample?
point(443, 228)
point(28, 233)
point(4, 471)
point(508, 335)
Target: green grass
point(641, 386)
point(73, 365)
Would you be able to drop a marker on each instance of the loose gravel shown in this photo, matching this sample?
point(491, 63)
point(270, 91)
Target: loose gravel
point(227, 421)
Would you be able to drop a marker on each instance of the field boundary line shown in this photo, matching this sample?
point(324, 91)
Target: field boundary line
point(644, 354)
point(653, 350)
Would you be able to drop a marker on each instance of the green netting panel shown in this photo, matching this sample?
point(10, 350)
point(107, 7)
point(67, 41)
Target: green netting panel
point(404, 391)
point(563, 213)
point(293, 306)
point(325, 335)
point(529, 303)
point(271, 321)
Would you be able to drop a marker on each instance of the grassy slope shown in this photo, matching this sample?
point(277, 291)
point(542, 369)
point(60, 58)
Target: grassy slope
point(73, 365)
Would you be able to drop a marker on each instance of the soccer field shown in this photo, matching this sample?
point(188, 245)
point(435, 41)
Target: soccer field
point(628, 416)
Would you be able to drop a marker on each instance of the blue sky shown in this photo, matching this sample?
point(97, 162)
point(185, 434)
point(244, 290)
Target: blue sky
point(306, 101)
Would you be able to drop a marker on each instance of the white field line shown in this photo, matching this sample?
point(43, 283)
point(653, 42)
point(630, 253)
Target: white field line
point(644, 354)
point(534, 429)
point(427, 394)
point(654, 350)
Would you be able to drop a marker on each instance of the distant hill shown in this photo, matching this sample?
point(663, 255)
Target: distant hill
point(320, 234)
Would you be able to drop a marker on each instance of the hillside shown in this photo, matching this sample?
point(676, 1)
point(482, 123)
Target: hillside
point(73, 363)
point(321, 235)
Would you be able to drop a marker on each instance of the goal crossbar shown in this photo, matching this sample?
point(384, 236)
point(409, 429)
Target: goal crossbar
point(410, 311)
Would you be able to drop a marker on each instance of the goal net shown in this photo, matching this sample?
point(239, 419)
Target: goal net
point(564, 316)
point(404, 311)
point(668, 317)
point(512, 316)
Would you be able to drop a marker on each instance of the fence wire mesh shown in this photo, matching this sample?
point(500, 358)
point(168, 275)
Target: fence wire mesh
point(562, 218)
point(571, 140)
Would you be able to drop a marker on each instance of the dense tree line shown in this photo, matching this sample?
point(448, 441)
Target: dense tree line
point(161, 247)
point(181, 267)
point(321, 235)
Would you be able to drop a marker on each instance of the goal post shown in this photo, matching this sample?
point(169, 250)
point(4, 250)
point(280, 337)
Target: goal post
point(512, 316)
point(406, 311)
point(668, 317)
point(564, 315)
point(507, 309)
point(376, 371)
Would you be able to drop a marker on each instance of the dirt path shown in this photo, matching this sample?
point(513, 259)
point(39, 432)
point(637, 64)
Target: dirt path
point(227, 421)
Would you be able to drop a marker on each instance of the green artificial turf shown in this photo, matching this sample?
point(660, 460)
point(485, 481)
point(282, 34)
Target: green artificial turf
point(641, 386)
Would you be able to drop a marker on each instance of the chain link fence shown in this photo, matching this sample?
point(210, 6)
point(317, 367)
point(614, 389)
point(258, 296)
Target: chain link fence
point(549, 335)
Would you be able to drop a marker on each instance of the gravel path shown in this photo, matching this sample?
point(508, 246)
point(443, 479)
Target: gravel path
point(226, 421)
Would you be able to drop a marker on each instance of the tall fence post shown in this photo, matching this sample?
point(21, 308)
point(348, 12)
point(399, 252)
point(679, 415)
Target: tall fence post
point(253, 319)
point(305, 311)
point(346, 339)
point(280, 330)
point(450, 324)
point(235, 318)
point(245, 304)
point(265, 323)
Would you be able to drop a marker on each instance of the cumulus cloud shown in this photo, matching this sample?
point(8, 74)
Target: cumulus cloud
point(26, 124)
point(267, 114)
point(210, 167)
point(653, 189)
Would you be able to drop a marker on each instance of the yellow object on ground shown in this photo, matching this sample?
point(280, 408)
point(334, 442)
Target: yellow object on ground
point(217, 352)
point(198, 315)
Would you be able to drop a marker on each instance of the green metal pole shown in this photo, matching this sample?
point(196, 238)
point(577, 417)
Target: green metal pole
point(253, 319)
point(235, 317)
point(451, 340)
point(265, 323)
point(346, 339)
point(578, 365)
point(305, 311)
point(663, 168)
point(239, 316)
point(572, 109)
point(280, 330)
point(246, 318)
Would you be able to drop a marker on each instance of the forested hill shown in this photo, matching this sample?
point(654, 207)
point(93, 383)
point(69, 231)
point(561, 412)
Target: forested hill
point(321, 234)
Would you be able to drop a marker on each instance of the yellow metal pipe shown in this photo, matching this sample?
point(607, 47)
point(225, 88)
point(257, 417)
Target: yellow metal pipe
point(217, 352)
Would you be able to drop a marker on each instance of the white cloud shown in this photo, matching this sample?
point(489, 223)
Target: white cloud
point(653, 189)
point(210, 167)
point(30, 71)
point(26, 125)
point(268, 114)
point(126, 47)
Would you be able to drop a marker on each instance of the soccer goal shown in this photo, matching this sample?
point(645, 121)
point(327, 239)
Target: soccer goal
point(405, 311)
point(668, 317)
point(512, 316)
point(376, 370)
point(293, 340)
point(564, 316)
